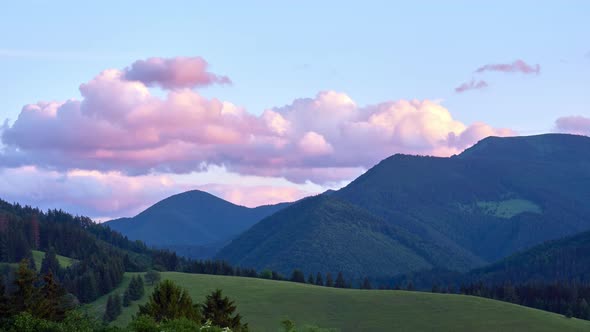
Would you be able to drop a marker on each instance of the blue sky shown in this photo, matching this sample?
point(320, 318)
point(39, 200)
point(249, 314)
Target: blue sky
point(275, 52)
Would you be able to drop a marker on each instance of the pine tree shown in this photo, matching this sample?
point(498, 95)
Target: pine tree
point(50, 262)
point(219, 310)
point(51, 305)
point(168, 301)
point(310, 279)
point(26, 295)
point(340, 282)
point(366, 284)
point(4, 303)
point(319, 280)
point(109, 310)
point(126, 299)
point(298, 276)
point(329, 280)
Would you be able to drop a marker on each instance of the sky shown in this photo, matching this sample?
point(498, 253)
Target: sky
point(110, 106)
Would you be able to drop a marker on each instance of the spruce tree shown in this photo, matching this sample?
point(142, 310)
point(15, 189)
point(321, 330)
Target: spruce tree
point(126, 299)
point(109, 310)
point(26, 295)
point(310, 279)
point(220, 310)
point(340, 282)
point(169, 301)
point(298, 276)
point(50, 262)
point(329, 280)
point(319, 280)
point(366, 284)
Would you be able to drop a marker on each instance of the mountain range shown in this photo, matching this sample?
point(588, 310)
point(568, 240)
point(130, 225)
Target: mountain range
point(194, 223)
point(413, 212)
point(405, 214)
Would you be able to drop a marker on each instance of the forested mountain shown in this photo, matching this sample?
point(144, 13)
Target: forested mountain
point(565, 260)
point(101, 255)
point(193, 223)
point(496, 198)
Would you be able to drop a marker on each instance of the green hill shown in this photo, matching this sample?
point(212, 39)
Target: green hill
point(194, 223)
point(499, 197)
point(264, 303)
point(560, 260)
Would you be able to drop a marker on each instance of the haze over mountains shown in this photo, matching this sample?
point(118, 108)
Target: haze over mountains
point(194, 223)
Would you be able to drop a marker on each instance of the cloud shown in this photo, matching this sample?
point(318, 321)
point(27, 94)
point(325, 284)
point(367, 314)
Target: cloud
point(119, 125)
point(106, 195)
point(471, 85)
point(574, 125)
point(517, 66)
point(173, 73)
point(122, 146)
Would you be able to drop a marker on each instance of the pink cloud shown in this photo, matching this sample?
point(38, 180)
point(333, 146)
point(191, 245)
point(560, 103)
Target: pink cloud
point(517, 66)
point(574, 125)
point(120, 126)
point(471, 85)
point(173, 73)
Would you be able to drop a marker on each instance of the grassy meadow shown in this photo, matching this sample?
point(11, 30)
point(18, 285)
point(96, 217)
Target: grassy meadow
point(265, 303)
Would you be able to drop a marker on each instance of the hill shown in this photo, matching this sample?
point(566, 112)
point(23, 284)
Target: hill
point(193, 223)
point(265, 303)
point(501, 196)
point(560, 260)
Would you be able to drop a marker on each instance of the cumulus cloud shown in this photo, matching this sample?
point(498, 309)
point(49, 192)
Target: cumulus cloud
point(119, 125)
point(173, 73)
point(122, 138)
point(471, 85)
point(574, 125)
point(517, 66)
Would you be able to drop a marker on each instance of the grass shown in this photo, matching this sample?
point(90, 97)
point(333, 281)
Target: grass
point(509, 208)
point(265, 303)
point(63, 261)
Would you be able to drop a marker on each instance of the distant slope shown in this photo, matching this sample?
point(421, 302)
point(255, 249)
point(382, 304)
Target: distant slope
point(501, 196)
point(566, 259)
point(191, 219)
point(324, 234)
point(265, 303)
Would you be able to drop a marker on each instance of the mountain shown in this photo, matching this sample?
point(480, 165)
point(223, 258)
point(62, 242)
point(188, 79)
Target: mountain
point(501, 196)
point(193, 223)
point(559, 260)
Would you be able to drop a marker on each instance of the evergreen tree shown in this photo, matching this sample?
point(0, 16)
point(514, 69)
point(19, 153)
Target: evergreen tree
point(298, 276)
point(126, 299)
point(4, 303)
point(219, 310)
point(319, 280)
point(26, 295)
point(584, 310)
point(109, 313)
point(51, 305)
point(168, 301)
point(366, 284)
point(340, 282)
point(310, 279)
point(410, 286)
point(50, 262)
point(329, 280)
point(113, 308)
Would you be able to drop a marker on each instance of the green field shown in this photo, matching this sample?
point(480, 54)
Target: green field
point(63, 261)
point(264, 303)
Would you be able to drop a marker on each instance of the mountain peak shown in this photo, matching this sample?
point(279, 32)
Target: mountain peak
point(562, 147)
